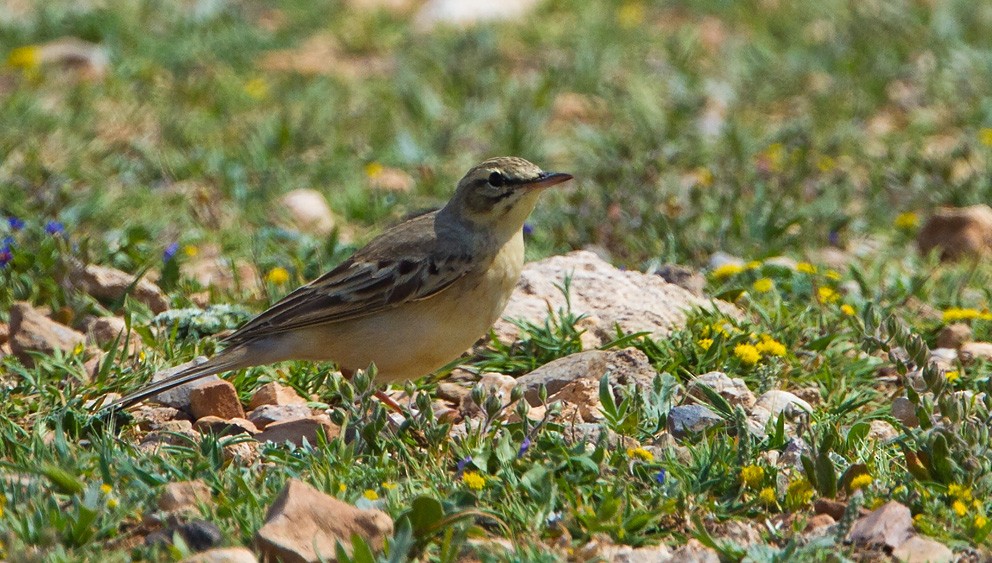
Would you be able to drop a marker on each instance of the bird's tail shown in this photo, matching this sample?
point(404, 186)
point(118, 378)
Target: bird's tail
point(230, 359)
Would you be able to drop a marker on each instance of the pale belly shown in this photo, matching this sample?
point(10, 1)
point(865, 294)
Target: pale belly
point(417, 338)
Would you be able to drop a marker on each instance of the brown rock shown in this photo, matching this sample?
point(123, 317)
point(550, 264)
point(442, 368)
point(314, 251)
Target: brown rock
point(957, 232)
point(4, 333)
point(274, 394)
point(734, 390)
point(974, 351)
point(303, 525)
point(223, 555)
point(627, 366)
point(919, 549)
point(242, 453)
point(452, 392)
point(30, 331)
point(87, 61)
point(215, 398)
point(905, 412)
point(296, 431)
point(820, 521)
point(881, 431)
point(833, 508)
point(184, 495)
point(173, 433)
point(308, 211)
point(695, 552)
point(954, 335)
point(179, 397)
point(889, 525)
point(601, 548)
point(224, 427)
point(584, 394)
point(211, 268)
point(501, 385)
point(109, 284)
point(104, 331)
point(635, 301)
point(150, 418)
point(265, 415)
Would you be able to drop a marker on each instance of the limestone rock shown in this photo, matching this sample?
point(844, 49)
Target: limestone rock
point(626, 367)
point(273, 393)
point(184, 495)
point(223, 555)
point(103, 331)
point(109, 284)
point(954, 335)
point(464, 13)
point(695, 552)
point(919, 549)
point(685, 420)
point(633, 300)
point(308, 211)
point(303, 525)
point(215, 398)
point(298, 430)
point(957, 232)
point(179, 397)
point(30, 331)
point(890, 525)
point(684, 277)
point(265, 415)
point(734, 390)
point(974, 351)
point(173, 432)
point(584, 394)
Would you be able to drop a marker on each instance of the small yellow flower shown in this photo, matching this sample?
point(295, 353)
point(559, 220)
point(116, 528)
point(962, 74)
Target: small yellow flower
point(827, 294)
point(721, 329)
point(753, 265)
point(959, 508)
point(370, 494)
point(389, 485)
point(847, 310)
point(277, 275)
point(752, 475)
point(826, 163)
point(473, 480)
point(704, 177)
point(805, 268)
point(952, 376)
point(141, 355)
point(374, 169)
point(832, 275)
point(257, 88)
point(640, 453)
point(705, 343)
point(631, 14)
point(106, 489)
point(78, 349)
point(726, 271)
point(767, 496)
point(763, 285)
point(980, 521)
point(26, 58)
point(112, 503)
point(771, 347)
point(747, 354)
point(960, 493)
point(906, 221)
point(984, 135)
point(800, 492)
point(342, 488)
point(774, 155)
point(955, 314)
point(861, 481)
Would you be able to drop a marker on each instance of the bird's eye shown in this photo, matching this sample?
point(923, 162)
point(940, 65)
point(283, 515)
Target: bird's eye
point(496, 179)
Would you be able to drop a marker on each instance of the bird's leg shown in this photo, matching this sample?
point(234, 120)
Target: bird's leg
point(384, 398)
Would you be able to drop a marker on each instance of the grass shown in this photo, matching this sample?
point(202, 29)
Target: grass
point(757, 128)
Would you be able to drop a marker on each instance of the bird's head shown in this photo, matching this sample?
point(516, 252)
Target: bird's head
point(501, 192)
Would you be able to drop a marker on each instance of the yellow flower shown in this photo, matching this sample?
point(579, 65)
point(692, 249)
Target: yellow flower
point(640, 453)
point(631, 14)
point(191, 250)
point(847, 310)
point(257, 88)
point(770, 347)
point(753, 265)
point(112, 503)
point(800, 492)
point(805, 268)
point(373, 169)
point(106, 489)
point(984, 135)
point(763, 285)
point(747, 354)
point(342, 487)
point(826, 163)
point(827, 294)
point(370, 494)
point(774, 155)
point(27, 57)
point(726, 271)
point(955, 314)
point(952, 376)
point(767, 496)
point(473, 480)
point(277, 275)
point(705, 343)
point(906, 221)
point(389, 485)
point(959, 508)
point(720, 328)
point(78, 349)
point(704, 177)
point(832, 275)
point(861, 481)
point(960, 493)
point(752, 475)
point(980, 521)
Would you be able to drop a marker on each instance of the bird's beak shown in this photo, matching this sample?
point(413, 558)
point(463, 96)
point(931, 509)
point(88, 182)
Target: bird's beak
point(546, 180)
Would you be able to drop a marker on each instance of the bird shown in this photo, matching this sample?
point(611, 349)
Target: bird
point(410, 301)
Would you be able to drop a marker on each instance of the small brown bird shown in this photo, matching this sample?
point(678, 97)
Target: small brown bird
point(410, 301)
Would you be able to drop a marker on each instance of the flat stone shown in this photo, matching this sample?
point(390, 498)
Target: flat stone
point(173, 433)
point(833, 508)
point(820, 522)
point(179, 397)
point(110, 284)
point(777, 401)
point(265, 415)
point(463, 13)
point(954, 335)
point(224, 427)
point(695, 552)
point(905, 412)
point(627, 366)
point(601, 549)
point(957, 232)
point(685, 420)
point(296, 431)
point(31, 331)
point(881, 431)
point(452, 392)
point(148, 418)
point(303, 525)
point(919, 549)
point(308, 211)
point(215, 398)
point(584, 394)
point(273, 393)
point(223, 555)
point(104, 331)
point(199, 535)
point(975, 351)
point(184, 495)
point(890, 525)
point(734, 390)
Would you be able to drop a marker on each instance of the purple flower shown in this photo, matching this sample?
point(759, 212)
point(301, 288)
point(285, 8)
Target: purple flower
point(528, 229)
point(15, 223)
point(463, 463)
point(6, 255)
point(54, 228)
point(170, 251)
point(524, 446)
point(660, 477)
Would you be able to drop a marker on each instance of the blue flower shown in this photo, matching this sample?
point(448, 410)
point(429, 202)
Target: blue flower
point(463, 463)
point(660, 477)
point(15, 223)
point(170, 251)
point(524, 446)
point(528, 229)
point(6, 255)
point(54, 228)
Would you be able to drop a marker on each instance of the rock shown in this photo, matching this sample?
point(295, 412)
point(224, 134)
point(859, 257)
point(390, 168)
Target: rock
point(179, 397)
point(390, 180)
point(954, 335)
point(4, 333)
point(833, 508)
point(464, 13)
point(501, 385)
point(905, 412)
point(602, 549)
point(584, 394)
point(30, 331)
point(242, 453)
point(685, 420)
point(103, 331)
point(695, 552)
point(211, 268)
point(777, 401)
point(215, 398)
point(304, 525)
point(795, 449)
point(684, 277)
point(224, 427)
point(919, 549)
point(223, 555)
point(308, 211)
point(109, 284)
point(198, 535)
point(627, 366)
point(881, 431)
point(734, 390)
point(588, 433)
point(149, 418)
point(820, 522)
point(274, 394)
point(889, 525)
point(87, 61)
point(173, 433)
point(975, 351)
point(298, 430)
point(452, 392)
point(265, 415)
point(184, 495)
point(957, 232)
point(944, 358)
point(635, 301)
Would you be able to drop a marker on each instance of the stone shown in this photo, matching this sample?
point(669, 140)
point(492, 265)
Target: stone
point(452, 392)
point(584, 394)
point(589, 433)
point(30, 331)
point(215, 398)
point(626, 366)
point(303, 525)
point(199, 535)
point(103, 331)
point(179, 397)
point(223, 555)
point(148, 418)
point(820, 522)
point(4, 333)
point(211, 268)
point(184, 495)
point(957, 232)
point(465, 13)
point(173, 433)
point(386, 179)
point(734, 390)
point(602, 549)
point(695, 552)
point(777, 401)
point(919, 549)
point(633, 300)
point(905, 412)
point(833, 508)
point(307, 211)
point(954, 335)
point(685, 420)
point(501, 385)
point(224, 427)
point(85, 60)
point(298, 430)
point(890, 525)
point(684, 277)
point(242, 453)
point(975, 351)
point(273, 393)
point(882, 431)
point(109, 285)
point(265, 415)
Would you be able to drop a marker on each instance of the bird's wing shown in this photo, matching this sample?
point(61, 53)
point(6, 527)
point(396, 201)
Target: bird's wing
point(402, 265)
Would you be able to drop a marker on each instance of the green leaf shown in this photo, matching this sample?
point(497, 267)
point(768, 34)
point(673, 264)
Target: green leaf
point(64, 481)
point(425, 512)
